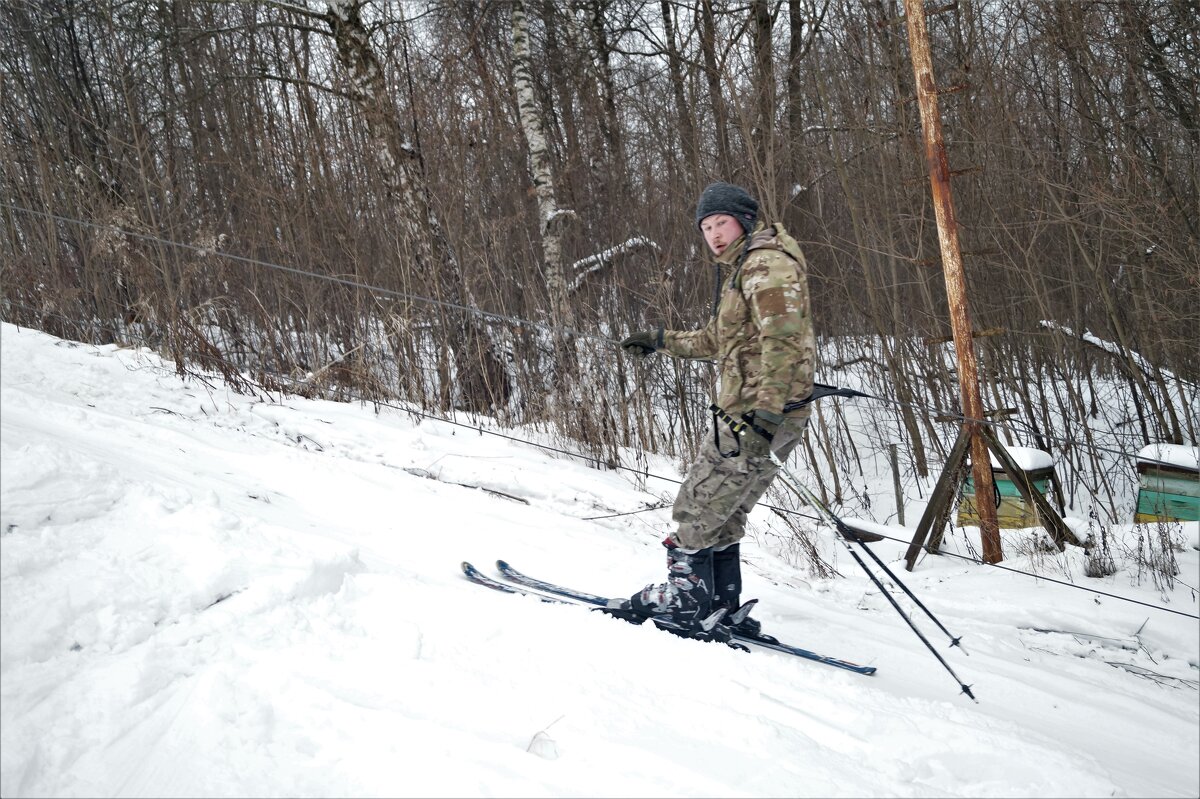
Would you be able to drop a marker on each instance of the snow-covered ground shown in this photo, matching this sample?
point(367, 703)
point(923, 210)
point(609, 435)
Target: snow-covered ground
point(206, 594)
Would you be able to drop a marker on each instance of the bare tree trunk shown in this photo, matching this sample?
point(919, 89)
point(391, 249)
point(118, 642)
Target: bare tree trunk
point(712, 74)
point(610, 171)
point(893, 358)
point(611, 126)
point(552, 218)
point(687, 127)
point(762, 133)
point(960, 317)
point(1132, 368)
point(484, 381)
point(803, 23)
point(560, 61)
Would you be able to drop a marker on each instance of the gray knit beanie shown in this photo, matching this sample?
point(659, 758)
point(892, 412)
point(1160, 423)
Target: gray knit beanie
point(725, 198)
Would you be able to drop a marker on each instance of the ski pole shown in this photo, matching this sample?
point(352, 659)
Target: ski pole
point(848, 535)
point(955, 640)
point(738, 428)
point(820, 391)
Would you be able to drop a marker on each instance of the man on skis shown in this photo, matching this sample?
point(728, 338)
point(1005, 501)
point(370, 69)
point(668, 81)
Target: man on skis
point(762, 338)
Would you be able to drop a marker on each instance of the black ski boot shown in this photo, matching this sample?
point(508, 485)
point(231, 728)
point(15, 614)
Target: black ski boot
point(684, 603)
point(727, 577)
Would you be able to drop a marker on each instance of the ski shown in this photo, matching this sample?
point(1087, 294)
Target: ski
point(766, 642)
point(474, 575)
point(592, 603)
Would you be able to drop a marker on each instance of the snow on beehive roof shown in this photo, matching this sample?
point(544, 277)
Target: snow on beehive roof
point(1182, 455)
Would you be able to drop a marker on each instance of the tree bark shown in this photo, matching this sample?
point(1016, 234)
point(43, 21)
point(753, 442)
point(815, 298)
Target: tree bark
point(552, 219)
point(687, 127)
point(712, 74)
point(483, 379)
point(956, 288)
point(763, 124)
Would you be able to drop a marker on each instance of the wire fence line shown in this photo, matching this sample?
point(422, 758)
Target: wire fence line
point(202, 250)
point(646, 474)
point(941, 415)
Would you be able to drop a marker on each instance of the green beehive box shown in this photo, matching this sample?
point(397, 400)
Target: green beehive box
point(1012, 511)
point(1168, 484)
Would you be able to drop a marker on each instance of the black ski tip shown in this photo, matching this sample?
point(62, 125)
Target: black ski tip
point(468, 568)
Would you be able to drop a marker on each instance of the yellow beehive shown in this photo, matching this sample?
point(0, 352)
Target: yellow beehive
point(1012, 511)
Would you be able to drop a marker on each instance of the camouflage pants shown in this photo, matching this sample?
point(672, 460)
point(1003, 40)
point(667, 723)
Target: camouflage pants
point(719, 492)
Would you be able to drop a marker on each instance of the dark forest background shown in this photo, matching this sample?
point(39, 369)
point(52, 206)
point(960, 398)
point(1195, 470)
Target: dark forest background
point(474, 200)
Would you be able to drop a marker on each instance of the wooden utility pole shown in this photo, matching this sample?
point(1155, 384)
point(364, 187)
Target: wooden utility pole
point(952, 268)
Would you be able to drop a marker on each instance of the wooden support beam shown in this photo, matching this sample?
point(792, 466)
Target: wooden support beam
point(991, 331)
point(937, 512)
point(999, 413)
point(933, 12)
point(955, 276)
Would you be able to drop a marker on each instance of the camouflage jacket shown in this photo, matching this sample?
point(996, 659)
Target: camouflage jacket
point(762, 335)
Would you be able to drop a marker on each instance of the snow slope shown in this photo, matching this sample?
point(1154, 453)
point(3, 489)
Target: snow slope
point(207, 594)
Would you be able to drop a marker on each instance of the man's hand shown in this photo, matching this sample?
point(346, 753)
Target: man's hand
point(643, 343)
point(759, 433)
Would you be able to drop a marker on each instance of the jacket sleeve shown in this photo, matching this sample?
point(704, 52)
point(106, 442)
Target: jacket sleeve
point(776, 290)
point(700, 343)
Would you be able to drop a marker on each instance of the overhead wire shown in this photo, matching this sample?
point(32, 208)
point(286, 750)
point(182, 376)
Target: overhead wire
point(645, 473)
point(947, 415)
point(207, 251)
point(957, 417)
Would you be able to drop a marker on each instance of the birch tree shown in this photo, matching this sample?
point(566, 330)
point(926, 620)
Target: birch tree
point(482, 375)
point(552, 218)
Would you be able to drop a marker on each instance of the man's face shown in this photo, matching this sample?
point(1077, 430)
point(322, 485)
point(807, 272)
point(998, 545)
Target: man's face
point(720, 230)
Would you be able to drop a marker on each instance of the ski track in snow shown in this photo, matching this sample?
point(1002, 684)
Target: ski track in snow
point(204, 594)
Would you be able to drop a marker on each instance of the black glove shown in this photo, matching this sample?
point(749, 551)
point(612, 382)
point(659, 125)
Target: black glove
point(759, 433)
point(643, 343)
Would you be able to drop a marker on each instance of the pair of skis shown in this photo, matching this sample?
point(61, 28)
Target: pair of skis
point(514, 582)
